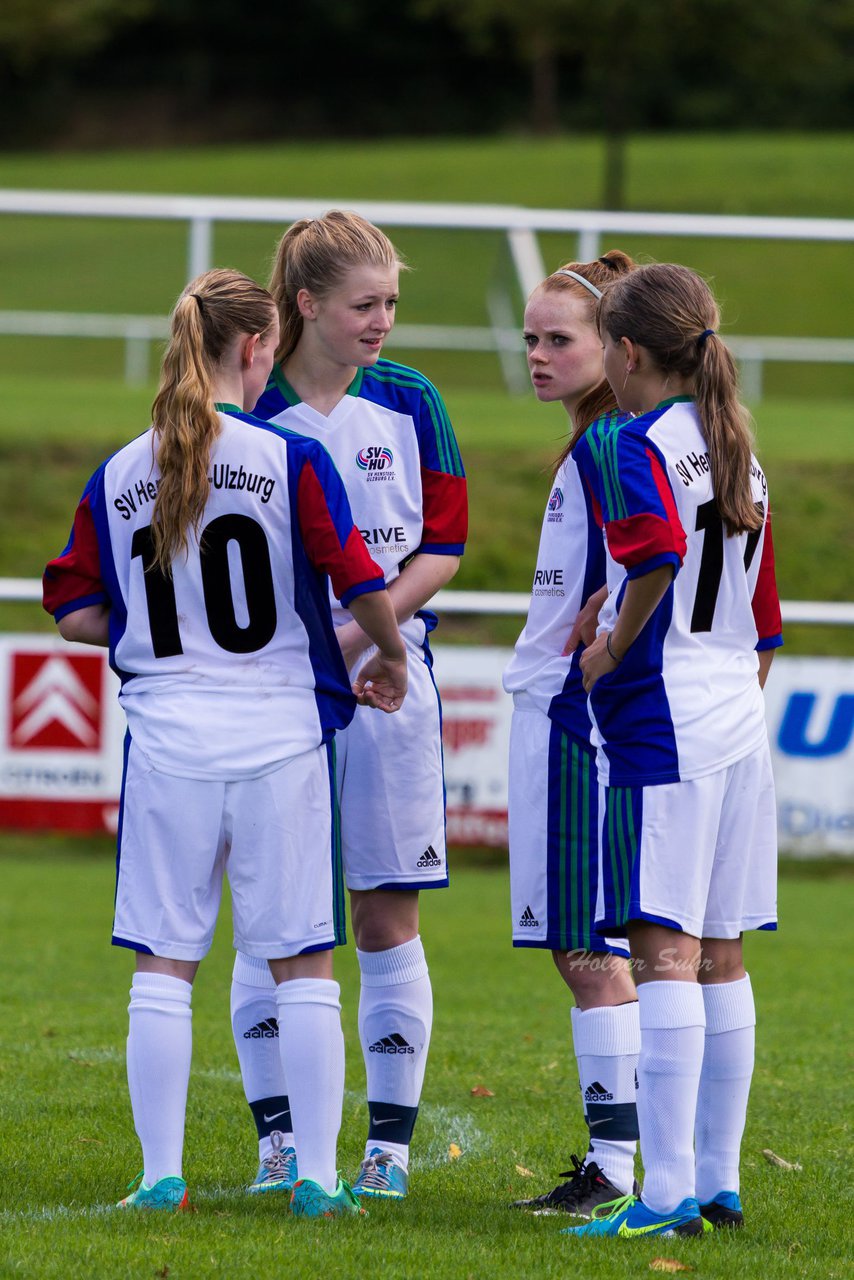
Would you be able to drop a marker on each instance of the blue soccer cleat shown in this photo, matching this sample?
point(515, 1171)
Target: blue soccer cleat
point(309, 1200)
point(724, 1210)
point(380, 1176)
point(629, 1217)
point(167, 1193)
point(278, 1170)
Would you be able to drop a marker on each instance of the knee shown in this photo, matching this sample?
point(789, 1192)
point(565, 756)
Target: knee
point(721, 960)
point(383, 920)
point(382, 934)
point(596, 978)
point(718, 971)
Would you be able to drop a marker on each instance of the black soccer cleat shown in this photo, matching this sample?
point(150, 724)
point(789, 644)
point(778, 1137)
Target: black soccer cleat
point(724, 1211)
point(586, 1189)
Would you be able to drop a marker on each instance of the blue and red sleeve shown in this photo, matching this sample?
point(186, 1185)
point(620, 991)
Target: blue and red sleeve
point(73, 579)
point(641, 520)
point(332, 542)
point(766, 602)
point(445, 513)
point(443, 479)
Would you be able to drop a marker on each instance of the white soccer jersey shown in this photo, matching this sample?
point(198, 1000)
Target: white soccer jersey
point(393, 444)
point(685, 700)
point(570, 567)
point(229, 665)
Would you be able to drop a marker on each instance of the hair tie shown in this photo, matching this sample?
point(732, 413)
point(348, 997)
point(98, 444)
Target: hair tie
point(198, 298)
point(701, 341)
point(564, 271)
point(606, 262)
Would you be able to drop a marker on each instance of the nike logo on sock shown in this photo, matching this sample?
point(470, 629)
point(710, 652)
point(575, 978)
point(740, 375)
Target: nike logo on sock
point(268, 1119)
point(390, 1120)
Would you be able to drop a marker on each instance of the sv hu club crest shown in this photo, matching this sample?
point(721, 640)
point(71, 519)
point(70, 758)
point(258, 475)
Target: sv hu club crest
point(374, 458)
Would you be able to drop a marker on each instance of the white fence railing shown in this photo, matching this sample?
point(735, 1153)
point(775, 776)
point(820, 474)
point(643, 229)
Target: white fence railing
point(139, 332)
point(519, 225)
point(816, 612)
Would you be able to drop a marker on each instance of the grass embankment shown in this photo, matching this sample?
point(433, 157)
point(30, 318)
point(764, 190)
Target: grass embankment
point(50, 441)
point(770, 287)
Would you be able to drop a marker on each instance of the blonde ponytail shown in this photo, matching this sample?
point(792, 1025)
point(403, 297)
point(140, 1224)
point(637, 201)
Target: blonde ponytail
point(212, 311)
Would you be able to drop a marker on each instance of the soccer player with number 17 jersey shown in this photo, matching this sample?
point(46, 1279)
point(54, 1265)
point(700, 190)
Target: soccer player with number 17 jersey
point(686, 637)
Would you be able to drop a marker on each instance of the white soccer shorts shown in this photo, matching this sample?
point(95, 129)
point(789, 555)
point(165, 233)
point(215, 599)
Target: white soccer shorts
point(391, 789)
point(272, 835)
point(699, 856)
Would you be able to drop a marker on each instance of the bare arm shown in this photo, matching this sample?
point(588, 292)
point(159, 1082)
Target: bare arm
point(766, 657)
point(640, 601)
point(90, 625)
point(412, 588)
point(382, 681)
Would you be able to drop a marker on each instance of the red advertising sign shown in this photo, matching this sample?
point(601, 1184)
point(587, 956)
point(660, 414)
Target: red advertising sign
point(55, 701)
point(61, 732)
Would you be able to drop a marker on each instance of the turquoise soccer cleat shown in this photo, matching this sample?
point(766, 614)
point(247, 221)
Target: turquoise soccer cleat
point(169, 1194)
point(309, 1200)
point(277, 1171)
point(380, 1176)
point(724, 1210)
point(629, 1217)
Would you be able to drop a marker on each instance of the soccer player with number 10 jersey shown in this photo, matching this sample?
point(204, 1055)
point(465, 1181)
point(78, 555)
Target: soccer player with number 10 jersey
point(201, 553)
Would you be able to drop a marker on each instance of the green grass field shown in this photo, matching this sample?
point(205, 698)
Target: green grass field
point(502, 1021)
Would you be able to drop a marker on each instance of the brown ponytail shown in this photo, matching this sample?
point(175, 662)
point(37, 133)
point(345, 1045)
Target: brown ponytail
point(603, 272)
point(212, 311)
point(316, 254)
point(671, 312)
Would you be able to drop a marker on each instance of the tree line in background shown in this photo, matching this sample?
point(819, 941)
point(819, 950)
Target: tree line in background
point(136, 72)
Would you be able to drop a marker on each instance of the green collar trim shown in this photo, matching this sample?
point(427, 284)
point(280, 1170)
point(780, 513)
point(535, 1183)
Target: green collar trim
point(665, 404)
point(356, 385)
point(284, 386)
point(228, 408)
point(291, 396)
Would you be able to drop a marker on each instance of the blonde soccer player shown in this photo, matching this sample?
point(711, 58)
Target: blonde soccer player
point(201, 552)
point(335, 282)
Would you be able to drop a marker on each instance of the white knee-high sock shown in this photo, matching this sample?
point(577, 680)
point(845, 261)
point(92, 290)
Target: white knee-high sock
point(159, 1049)
point(395, 1021)
point(607, 1042)
point(312, 1049)
point(255, 1026)
point(672, 1022)
point(724, 1085)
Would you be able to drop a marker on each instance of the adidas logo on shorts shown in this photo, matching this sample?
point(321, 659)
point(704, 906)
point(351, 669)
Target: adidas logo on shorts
point(597, 1092)
point(428, 858)
point(265, 1030)
point(528, 920)
point(394, 1043)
